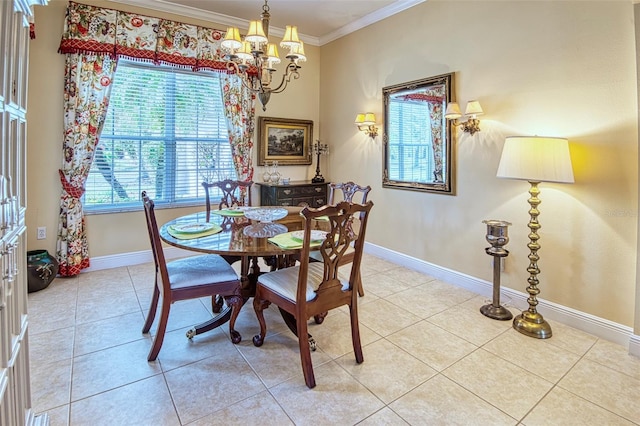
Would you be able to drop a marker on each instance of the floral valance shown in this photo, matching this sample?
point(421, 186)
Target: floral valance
point(89, 29)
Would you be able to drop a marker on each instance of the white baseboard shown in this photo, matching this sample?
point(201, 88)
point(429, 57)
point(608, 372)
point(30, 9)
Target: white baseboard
point(588, 323)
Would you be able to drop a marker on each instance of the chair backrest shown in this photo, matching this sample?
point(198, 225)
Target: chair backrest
point(156, 245)
point(349, 190)
point(347, 223)
point(234, 193)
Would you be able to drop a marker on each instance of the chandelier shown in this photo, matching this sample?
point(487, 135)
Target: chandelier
point(254, 57)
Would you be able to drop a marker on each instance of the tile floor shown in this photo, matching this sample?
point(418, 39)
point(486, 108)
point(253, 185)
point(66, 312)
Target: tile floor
point(430, 359)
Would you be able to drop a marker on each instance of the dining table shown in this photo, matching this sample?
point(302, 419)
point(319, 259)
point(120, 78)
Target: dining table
point(235, 236)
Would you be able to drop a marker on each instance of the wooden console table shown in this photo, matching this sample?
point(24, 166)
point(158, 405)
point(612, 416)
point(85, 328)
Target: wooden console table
point(295, 193)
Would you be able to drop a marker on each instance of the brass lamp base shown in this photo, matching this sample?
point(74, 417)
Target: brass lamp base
point(532, 324)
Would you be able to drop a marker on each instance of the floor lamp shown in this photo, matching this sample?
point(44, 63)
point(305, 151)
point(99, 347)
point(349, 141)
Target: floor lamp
point(535, 159)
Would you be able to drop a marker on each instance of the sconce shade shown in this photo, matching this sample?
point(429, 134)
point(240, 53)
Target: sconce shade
point(369, 119)
point(232, 39)
point(473, 108)
point(453, 111)
point(256, 33)
point(536, 159)
point(359, 119)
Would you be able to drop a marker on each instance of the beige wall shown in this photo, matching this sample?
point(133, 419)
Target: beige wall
point(562, 69)
point(117, 233)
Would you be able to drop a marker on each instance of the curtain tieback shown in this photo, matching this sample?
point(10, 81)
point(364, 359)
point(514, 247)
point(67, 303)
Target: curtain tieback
point(70, 189)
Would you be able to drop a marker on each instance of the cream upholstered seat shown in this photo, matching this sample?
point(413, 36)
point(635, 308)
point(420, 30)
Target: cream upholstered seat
point(187, 278)
point(312, 289)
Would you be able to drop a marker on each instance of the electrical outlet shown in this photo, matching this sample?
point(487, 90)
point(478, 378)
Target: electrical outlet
point(42, 233)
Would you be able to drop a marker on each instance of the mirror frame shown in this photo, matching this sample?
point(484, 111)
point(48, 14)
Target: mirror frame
point(447, 186)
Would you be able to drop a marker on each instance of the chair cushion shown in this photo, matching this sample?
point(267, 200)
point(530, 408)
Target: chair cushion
point(285, 281)
point(199, 270)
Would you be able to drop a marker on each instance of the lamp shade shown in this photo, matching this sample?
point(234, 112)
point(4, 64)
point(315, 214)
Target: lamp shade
point(369, 119)
point(232, 39)
point(536, 159)
point(256, 33)
point(290, 39)
point(453, 111)
point(473, 108)
point(359, 119)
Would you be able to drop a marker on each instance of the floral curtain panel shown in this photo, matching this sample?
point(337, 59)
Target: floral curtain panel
point(87, 88)
point(93, 39)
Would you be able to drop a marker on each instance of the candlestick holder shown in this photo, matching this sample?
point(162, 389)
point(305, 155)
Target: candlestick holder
point(319, 149)
point(498, 237)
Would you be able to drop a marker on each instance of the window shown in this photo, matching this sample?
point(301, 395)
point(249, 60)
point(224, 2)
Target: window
point(165, 133)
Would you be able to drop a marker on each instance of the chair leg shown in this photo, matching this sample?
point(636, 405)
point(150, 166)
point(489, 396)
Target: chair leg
point(236, 303)
point(305, 354)
point(162, 327)
point(355, 334)
point(153, 306)
point(259, 306)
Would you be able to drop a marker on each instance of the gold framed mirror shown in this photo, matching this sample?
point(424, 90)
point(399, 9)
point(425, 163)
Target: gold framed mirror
point(417, 140)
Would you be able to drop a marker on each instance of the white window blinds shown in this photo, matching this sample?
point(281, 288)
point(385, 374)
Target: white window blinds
point(165, 133)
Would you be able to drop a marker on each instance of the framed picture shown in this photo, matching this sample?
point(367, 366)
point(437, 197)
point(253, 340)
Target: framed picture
point(284, 140)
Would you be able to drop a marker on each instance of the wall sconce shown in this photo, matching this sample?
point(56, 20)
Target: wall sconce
point(472, 125)
point(367, 123)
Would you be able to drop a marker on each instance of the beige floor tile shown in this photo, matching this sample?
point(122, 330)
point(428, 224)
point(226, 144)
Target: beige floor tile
point(56, 345)
point(440, 401)
point(470, 324)
point(110, 368)
point(278, 359)
point(333, 336)
point(93, 309)
point(571, 339)
point(384, 417)
point(375, 263)
point(59, 416)
point(534, 355)
point(183, 314)
point(46, 316)
point(382, 285)
point(123, 406)
point(432, 345)
point(387, 371)
point(209, 385)
point(616, 357)
point(562, 407)
point(409, 276)
point(103, 334)
point(385, 317)
point(50, 385)
point(502, 384)
point(325, 404)
point(258, 410)
point(606, 387)
point(178, 350)
point(429, 299)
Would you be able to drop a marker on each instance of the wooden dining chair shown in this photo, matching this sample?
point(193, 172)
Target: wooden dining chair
point(347, 191)
point(187, 278)
point(235, 193)
point(313, 288)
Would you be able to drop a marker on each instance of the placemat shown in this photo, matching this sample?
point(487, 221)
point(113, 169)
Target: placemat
point(286, 241)
point(228, 212)
point(189, 236)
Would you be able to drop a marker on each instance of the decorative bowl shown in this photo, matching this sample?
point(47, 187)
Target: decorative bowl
point(266, 214)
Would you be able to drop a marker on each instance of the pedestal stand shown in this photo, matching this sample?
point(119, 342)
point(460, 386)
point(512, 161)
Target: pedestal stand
point(498, 238)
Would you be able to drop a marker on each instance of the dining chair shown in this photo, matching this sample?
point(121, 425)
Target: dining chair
point(347, 191)
point(187, 278)
point(313, 288)
point(235, 193)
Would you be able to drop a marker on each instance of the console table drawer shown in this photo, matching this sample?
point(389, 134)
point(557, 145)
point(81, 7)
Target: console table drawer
point(293, 194)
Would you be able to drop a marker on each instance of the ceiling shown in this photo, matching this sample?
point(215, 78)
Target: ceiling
point(318, 21)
